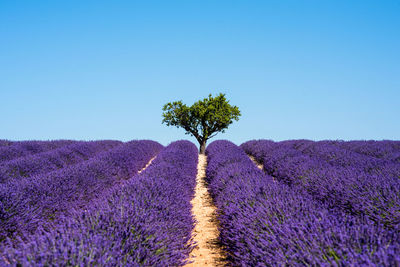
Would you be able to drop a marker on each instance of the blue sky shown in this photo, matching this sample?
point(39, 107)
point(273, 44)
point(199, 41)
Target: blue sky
point(103, 69)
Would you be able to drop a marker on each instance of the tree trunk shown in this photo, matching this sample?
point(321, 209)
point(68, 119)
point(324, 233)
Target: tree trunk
point(203, 147)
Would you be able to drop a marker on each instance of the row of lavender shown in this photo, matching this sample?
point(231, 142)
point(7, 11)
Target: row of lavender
point(341, 178)
point(41, 163)
point(387, 150)
point(41, 199)
point(12, 150)
point(267, 222)
point(145, 220)
point(343, 154)
point(4, 142)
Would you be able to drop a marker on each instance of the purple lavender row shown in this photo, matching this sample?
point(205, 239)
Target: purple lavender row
point(337, 156)
point(376, 170)
point(26, 148)
point(4, 142)
point(266, 223)
point(25, 204)
point(336, 153)
point(349, 188)
point(55, 159)
point(146, 221)
point(382, 168)
point(386, 150)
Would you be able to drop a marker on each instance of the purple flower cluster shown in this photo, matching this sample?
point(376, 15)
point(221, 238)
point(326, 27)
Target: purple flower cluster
point(26, 148)
point(386, 150)
point(265, 222)
point(40, 200)
point(145, 221)
point(55, 159)
point(4, 142)
point(333, 153)
point(342, 179)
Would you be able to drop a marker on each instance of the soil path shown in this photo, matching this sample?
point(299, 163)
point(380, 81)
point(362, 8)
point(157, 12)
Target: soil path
point(147, 165)
point(259, 165)
point(208, 251)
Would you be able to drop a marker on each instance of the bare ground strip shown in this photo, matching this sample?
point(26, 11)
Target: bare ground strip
point(208, 251)
point(147, 165)
point(259, 165)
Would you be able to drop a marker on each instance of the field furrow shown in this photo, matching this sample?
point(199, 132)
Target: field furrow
point(208, 251)
point(263, 203)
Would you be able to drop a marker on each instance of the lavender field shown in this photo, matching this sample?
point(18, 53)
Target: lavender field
point(112, 203)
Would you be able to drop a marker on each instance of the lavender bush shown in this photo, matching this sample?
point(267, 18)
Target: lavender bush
point(26, 148)
point(386, 150)
point(28, 203)
point(332, 153)
point(5, 142)
point(352, 182)
point(55, 159)
point(267, 223)
point(145, 221)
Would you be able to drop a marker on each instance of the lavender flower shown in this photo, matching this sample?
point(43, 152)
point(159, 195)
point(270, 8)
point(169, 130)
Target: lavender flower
point(144, 221)
point(41, 200)
point(55, 159)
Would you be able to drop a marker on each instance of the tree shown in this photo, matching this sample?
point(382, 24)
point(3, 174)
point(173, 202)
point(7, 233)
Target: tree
point(204, 119)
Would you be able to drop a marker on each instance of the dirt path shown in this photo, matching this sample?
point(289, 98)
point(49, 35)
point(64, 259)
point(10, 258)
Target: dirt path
point(207, 252)
point(259, 165)
point(147, 165)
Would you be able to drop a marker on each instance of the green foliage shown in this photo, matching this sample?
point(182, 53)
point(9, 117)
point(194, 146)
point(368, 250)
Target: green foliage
point(204, 119)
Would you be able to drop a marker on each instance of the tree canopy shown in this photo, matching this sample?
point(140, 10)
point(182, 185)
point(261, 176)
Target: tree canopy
point(204, 119)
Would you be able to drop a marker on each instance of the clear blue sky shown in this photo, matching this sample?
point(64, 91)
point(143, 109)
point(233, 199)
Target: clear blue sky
point(103, 69)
